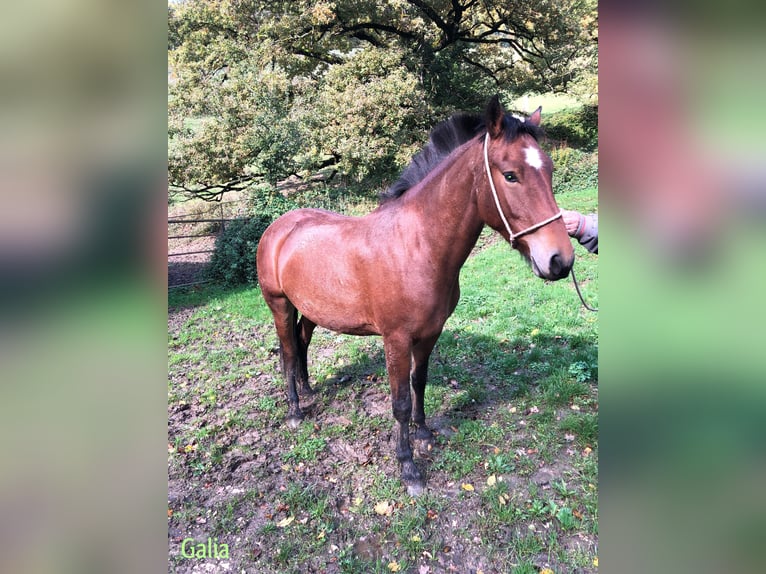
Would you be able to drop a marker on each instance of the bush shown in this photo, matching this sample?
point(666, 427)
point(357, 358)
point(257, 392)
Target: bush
point(574, 127)
point(233, 261)
point(573, 169)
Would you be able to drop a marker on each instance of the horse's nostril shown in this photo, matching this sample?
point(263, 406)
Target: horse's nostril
point(558, 267)
point(555, 265)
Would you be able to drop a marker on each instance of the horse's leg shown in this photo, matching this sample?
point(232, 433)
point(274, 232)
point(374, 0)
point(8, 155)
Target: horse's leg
point(398, 353)
point(421, 352)
point(285, 321)
point(305, 330)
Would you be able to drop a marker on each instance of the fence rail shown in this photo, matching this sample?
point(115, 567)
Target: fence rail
point(183, 220)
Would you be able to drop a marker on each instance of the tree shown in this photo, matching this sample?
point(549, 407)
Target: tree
point(264, 89)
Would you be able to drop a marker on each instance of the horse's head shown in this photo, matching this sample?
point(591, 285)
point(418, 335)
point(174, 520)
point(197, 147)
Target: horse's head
point(518, 200)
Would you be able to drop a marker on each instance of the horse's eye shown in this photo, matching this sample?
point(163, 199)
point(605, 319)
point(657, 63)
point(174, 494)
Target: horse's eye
point(510, 177)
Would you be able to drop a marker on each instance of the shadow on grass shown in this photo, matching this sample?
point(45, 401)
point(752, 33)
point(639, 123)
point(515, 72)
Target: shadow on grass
point(200, 295)
point(183, 272)
point(487, 370)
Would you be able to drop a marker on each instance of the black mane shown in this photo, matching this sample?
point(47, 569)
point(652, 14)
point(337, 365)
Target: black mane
point(444, 138)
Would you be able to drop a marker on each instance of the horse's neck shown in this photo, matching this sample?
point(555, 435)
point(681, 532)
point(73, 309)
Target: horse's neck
point(447, 199)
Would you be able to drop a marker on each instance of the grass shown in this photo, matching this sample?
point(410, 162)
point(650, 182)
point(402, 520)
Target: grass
point(512, 395)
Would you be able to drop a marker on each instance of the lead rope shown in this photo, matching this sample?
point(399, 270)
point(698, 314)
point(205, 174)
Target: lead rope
point(577, 288)
point(513, 236)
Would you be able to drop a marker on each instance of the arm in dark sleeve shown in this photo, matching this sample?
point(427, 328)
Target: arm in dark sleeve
point(587, 233)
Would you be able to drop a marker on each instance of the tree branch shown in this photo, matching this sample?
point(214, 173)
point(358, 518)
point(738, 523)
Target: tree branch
point(214, 192)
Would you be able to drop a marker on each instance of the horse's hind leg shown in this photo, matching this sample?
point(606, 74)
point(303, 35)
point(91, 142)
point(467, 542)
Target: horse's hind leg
point(421, 352)
point(285, 320)
point(305, 330)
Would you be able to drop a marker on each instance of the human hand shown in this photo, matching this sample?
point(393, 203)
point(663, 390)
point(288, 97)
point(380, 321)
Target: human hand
point(572, 220)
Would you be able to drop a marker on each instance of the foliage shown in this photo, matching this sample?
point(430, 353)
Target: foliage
point(262, 90)
point(573, 169)
point(582, 371)
point(368, 114)
point(575, 127)
point(233, 261)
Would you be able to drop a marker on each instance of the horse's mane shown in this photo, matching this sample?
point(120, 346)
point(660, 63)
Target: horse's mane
point(446, 137)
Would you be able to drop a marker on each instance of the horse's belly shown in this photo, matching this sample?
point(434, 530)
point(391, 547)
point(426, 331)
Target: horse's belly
point(332, 300)
point(334, 314)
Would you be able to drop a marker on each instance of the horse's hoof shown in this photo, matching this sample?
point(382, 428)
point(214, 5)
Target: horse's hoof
point(415, 488)
point(294, 422)
point(412, 479)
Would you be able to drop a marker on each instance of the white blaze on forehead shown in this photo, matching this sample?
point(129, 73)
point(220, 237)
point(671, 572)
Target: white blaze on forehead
point(533, 157)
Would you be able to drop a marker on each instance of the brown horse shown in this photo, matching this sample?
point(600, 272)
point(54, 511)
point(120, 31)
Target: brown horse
point(394, 272)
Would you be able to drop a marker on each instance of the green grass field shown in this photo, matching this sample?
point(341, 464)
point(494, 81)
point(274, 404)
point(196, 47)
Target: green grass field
point(512, 395)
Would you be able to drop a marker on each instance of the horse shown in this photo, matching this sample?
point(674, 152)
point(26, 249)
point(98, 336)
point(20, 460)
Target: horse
point(394, 272)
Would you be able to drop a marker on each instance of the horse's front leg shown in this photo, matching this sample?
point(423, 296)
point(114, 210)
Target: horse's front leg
point(398, 352)
point(421, 352)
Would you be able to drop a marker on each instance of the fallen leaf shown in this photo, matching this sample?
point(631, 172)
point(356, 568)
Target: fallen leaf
point(575, 408)
point(384, 508)
point(595, 561)
point(321, 535)
point(394, 566)
point(547, 571)
point(170, 512)
point(415, 538)
point(432, 515)
point(503, 499)
point(586, 451)
point(286, 521)
point(468, 487)
point(491, 480)
point(512, 409)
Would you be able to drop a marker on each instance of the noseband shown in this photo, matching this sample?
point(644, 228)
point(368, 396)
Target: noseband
point(511, 235)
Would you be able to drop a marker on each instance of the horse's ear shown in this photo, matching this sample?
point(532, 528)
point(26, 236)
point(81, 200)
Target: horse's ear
point(534, 119)
point(494, 117)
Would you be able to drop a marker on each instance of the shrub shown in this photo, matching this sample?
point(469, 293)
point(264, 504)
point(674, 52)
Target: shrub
point(574, 127)
point(573, 169)
point(233, 261)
